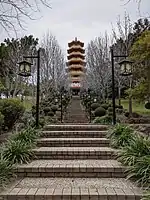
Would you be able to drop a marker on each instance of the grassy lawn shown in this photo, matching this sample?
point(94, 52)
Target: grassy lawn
point(137, 107)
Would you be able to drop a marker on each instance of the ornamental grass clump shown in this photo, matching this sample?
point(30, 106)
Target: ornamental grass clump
point(18, 152)
point(138, 148)
point(120, 136)
point(6, 171)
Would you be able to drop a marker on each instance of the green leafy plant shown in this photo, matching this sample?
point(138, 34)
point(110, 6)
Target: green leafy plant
point(17, 151)
point(54, 108)
point(146, 196)
point(95, 105)
point(99, 112)
point(6, 171)
point(141, 171)
point(105, 106)
point(120, 136)
point(12, 109)
point(1, 121)
point(103, 120)
point(27, 136)
point(140, 146)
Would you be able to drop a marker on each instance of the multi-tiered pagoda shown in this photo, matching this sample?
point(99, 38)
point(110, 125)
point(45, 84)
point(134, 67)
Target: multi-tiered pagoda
point(76, 65)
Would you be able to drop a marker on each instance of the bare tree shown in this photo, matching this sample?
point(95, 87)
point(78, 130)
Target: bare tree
point(14, 12)
point(53, 64)
point(98, 65)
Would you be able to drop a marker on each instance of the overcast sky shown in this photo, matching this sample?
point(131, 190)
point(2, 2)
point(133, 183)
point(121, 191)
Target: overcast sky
point(84, 19)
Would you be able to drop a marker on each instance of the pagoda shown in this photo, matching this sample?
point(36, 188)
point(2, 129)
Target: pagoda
point(76, 65)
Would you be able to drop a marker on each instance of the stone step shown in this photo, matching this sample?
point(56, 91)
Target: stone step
point(73, 142)
point(68, 153)
point(74, 134)
point(78, 127)
point(72, 189)
point(72, 168)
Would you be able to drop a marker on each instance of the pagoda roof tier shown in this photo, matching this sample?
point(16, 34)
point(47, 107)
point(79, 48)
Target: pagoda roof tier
point(76, 73)
point(76, 42)
point(75, 55)
point(76, 61)
point(76, 67)
point(76, 48)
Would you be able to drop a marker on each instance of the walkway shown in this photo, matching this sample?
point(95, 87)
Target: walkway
point(75, 113)
point(73, 162)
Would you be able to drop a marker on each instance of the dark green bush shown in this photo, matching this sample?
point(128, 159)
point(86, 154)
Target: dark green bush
point(121, 136)
point(103, 120)
point(99, 112)
point(6, 171)
point(46, 110)
point(119, 111)
point(51, 113)
point(13, 110)
point(147, 105)
point(54, 108)
point(119, 106)
point(126, 114)
point(110, 109)
point(95, 105)
point(17, 152)
point(105, 106)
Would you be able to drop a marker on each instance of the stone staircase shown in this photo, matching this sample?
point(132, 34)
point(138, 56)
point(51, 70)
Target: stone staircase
point(73, 162)
point(75, 112)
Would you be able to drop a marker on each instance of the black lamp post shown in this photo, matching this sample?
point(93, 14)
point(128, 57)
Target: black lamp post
point(25, 70)
point(126, 70)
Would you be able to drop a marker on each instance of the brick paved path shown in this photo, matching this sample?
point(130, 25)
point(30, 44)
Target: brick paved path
point(75, 113)
point(73, 162)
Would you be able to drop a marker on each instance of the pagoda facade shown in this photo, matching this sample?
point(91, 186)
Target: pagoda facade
point(76, 65)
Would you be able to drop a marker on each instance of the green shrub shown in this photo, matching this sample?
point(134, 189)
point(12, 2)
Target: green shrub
point(27, 118)
point(6, 171)
point(103, 120)
point(141, 171)
point(146, 196)
point(17, 152)
point(27, 136)
point(119, 110)
point(95, 105)
point(121, 136)
point(119, 106)
point(147, 105)
point(99, 112)
point(51, 113)
point(1, 121)
point(54, 108)
point(110, 109)
point(12, 109)
point(105, 106)
point(46, 110)
point(139, 147)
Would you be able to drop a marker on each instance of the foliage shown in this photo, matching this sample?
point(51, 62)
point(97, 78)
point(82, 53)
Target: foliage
point(6, 172)
point(103, 120)
point(105, 106)
point(141, 171)
point(27, 136)
point(120, 136)
point(54, 108)
point(51, 113)
point(17, 151)
point(1, 121)
point(139, 147)
point(12, 109)
point(99, 112)
point(47, 110)
point(94, 106)
point(147, 105)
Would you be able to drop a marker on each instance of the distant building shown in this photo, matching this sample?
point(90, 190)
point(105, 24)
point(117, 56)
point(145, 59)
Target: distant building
point(76, 65)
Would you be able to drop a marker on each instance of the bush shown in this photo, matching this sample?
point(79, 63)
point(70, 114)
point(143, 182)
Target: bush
point(141, 171)
point(126, 114)
point(99, 112)
point(95, 105)
point(27, 118)
point(27, 136)
point(54, 108)
point(6, 172)
point(110, 109)
point(17, 152)
point(12, 109)
point(1, 121)
point(119, 110)
point(46, 110)
point(139, 147)
point(51, 113)
point(119, 106)
point(121, 136)
point(103, 120)
point(147, 105)
point(105, 106)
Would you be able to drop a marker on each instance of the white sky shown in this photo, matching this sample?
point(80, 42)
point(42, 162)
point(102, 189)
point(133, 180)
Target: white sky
point(84, 19)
